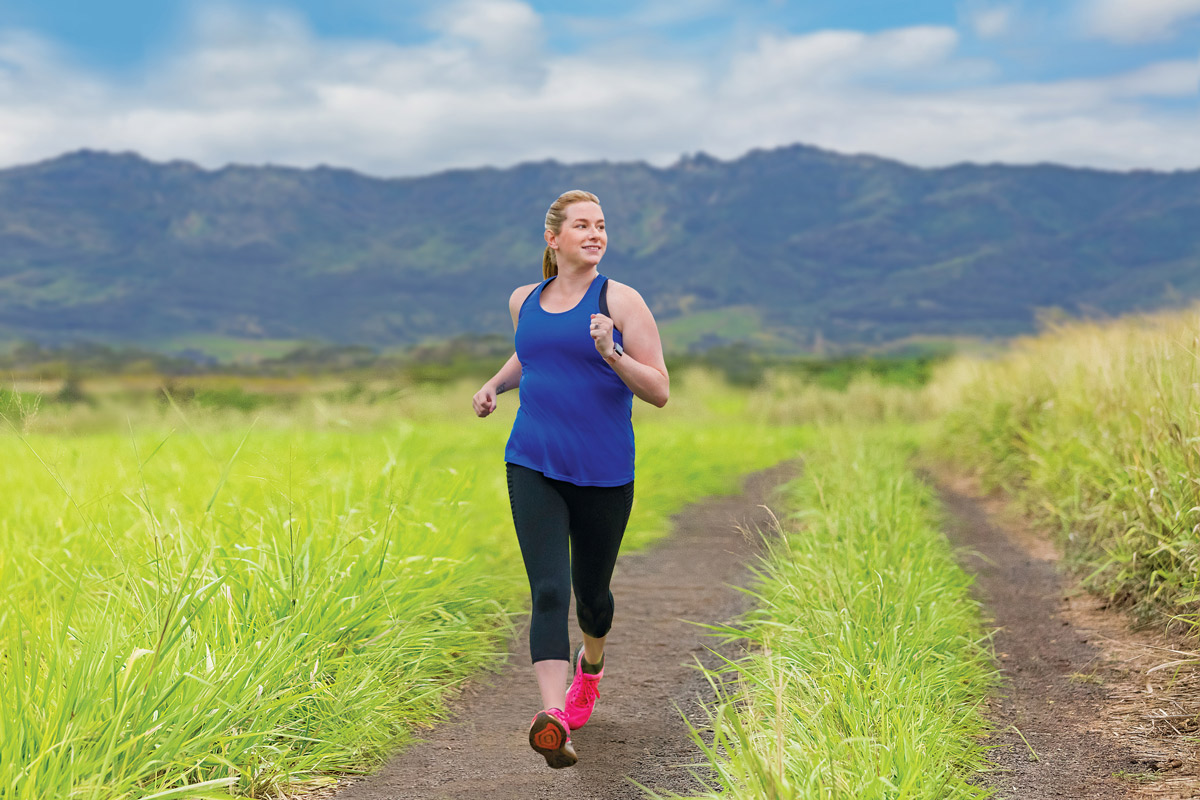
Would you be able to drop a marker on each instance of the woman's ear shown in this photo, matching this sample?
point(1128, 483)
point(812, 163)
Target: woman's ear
point(551, 240)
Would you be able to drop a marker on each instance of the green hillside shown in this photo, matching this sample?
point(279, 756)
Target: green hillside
point(794, 249)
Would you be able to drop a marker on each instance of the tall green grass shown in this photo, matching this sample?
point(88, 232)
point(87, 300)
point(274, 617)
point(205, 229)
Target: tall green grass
point(868, 661)
point(1095, 428)
point(221, 604)
point(793, 399)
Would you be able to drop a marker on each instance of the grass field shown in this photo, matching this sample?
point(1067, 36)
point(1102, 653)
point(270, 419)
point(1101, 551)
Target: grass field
point(243, 589)
point(229, 602)
point(1095, 428)
point(867, 663)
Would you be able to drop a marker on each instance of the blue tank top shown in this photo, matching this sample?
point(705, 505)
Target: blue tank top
point(574, 423)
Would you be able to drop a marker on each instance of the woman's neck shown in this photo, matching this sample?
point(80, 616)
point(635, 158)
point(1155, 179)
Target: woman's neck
point(576, 276)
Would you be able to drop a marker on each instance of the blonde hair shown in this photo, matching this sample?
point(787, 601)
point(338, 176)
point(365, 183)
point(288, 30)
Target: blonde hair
point(555, 218)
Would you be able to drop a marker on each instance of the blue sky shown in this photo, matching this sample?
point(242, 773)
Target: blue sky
point(401, 88)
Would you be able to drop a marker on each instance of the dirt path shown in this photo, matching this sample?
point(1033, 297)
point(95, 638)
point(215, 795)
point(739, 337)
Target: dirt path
point(1077, 691)
point(636, 732)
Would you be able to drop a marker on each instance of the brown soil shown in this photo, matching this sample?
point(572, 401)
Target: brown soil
point(1078, 683)
point(637, 733)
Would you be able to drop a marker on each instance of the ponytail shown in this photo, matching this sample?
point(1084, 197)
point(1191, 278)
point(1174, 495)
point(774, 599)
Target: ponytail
point(555, 218)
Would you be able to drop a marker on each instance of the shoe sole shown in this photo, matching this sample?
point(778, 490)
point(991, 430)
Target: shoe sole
point(548, 736)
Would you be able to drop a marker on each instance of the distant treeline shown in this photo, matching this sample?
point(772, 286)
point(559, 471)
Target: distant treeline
point(440, 362)
point(743, 365)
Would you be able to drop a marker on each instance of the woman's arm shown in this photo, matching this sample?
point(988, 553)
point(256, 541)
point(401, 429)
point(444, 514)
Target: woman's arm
point(642, 366)
point(509, 376)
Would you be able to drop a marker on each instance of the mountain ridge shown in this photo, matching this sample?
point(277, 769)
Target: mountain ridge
point(793, 247)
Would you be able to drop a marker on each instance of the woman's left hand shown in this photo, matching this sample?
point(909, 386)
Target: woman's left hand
point(601, 330)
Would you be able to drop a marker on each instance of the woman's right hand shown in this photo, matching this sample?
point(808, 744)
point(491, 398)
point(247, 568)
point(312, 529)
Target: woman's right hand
point(484, 401)
point(509, 377)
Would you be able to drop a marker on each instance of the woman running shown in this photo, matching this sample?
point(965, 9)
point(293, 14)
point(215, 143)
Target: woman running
point(585, 345)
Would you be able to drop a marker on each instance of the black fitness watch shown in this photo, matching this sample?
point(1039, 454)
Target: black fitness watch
point(620, 351)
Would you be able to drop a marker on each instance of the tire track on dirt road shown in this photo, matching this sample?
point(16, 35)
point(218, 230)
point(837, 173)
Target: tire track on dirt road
point(1074, 716)
point(637, 732)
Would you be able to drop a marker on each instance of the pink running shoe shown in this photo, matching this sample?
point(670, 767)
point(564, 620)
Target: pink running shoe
point(581, 696)
point(550, 735)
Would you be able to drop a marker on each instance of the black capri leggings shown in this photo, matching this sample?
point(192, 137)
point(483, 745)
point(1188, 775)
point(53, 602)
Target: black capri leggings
point(568, 534)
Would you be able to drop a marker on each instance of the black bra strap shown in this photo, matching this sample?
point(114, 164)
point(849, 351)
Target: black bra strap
point(604, 298)
point(526, 300)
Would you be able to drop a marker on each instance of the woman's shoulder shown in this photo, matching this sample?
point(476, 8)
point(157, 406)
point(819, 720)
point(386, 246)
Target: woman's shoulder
point(623, 293)
point(521, 292)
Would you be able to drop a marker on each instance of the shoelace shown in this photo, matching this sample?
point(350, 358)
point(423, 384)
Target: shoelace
point(588, 692)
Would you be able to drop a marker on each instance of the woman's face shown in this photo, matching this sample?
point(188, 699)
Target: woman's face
point(582, 239)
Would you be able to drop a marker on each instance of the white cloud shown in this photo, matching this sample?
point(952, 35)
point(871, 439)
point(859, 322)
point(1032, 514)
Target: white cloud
point(991, 21)
point(832, 58)
point(486, 89)
point(498, 27)
point(1133, 21)
point(1163, 79)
